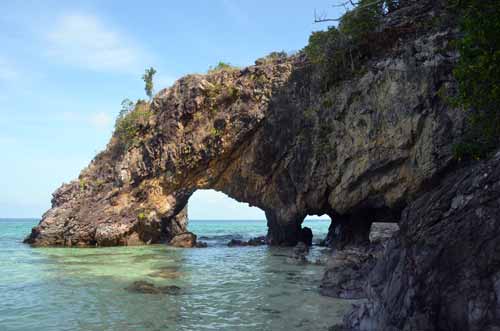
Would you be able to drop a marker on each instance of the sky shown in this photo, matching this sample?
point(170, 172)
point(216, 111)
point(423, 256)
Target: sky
point(65, 67)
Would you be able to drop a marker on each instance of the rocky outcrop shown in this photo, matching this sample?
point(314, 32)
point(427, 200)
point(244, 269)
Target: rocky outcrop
point(184, 240)
point(272, 136)
point(443, 271)
point(347, 270)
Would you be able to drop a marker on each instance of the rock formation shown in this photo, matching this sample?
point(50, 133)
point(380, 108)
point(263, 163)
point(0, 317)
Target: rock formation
point(270, 135)
point(347, 270)
point(375, 147)
point(184, 240)
point(442, 272)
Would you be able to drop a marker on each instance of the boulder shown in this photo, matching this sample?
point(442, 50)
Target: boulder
point(184, 240)
point(306, 236)
point(257, 241)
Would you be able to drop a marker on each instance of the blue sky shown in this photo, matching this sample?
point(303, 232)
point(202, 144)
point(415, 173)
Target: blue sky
point(65, 66)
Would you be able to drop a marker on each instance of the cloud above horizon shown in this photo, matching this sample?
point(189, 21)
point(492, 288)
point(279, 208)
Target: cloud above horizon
point(86, 41)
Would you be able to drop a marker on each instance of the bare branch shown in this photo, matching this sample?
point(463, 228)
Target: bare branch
point(355, 5)
point(322, 18)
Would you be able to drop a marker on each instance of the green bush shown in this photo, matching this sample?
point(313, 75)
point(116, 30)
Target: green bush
point(478, 76)
point(330, 51)
point(221, 66)
point(339, 52)
point(365, 18)
point(130, 120)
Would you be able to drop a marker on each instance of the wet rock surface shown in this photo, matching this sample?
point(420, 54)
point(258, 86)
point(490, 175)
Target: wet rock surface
point(299, 254)
point(186, 240)
point(348, 269)
point(442, 272)
point(257, 241)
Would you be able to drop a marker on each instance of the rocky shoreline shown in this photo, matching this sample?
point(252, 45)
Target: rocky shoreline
point(375, 148)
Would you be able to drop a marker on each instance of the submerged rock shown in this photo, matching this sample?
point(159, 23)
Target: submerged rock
point(201, 244)
point(299, 254)
point(141, 286)
point(167, 273)
point(257, 241)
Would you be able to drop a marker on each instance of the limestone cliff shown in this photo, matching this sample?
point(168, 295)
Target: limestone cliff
point(270, 135)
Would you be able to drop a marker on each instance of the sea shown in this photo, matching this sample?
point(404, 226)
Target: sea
point(221, 287)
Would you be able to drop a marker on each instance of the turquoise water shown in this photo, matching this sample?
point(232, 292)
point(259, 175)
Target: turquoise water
point(242, 288)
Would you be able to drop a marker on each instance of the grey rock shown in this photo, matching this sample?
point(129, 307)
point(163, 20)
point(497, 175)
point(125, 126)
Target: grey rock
point(442, 272)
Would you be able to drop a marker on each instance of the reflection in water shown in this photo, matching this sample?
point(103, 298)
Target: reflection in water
point(246, 288)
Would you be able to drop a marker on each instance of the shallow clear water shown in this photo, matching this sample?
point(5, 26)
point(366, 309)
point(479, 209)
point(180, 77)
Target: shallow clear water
point(242, 288)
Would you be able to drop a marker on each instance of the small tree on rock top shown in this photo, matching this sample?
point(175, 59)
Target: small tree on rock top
point(148, 80)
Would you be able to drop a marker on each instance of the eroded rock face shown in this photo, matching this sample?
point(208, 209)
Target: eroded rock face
point(270, 135)
point(443, 271)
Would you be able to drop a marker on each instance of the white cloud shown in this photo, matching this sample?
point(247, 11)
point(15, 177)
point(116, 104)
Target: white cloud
point(86, 41)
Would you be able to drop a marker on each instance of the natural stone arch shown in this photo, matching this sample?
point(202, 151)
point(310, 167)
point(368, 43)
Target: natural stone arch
point(270, 136)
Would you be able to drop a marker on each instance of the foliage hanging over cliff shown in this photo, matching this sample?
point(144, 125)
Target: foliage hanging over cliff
point(478, 75)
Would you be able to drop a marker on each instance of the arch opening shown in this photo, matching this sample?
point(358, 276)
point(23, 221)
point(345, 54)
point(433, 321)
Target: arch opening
point(218, 219)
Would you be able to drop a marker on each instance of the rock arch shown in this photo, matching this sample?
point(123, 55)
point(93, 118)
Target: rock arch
point(268, 135)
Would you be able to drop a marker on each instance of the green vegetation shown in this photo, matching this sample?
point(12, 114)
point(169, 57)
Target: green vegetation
point(134, 115)
point(141, 216)
point(221, 66)
point(129, 121)
point(271, 57)
point(478, 76)
point(339, 52)
point(215, 132)
point(99, 183)
point(83, 184)
point(148, 81)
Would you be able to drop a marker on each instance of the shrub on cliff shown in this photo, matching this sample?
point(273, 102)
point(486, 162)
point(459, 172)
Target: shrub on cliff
point(340, 51)
point(131, 118)
point(221, 66)
point(478, 76)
